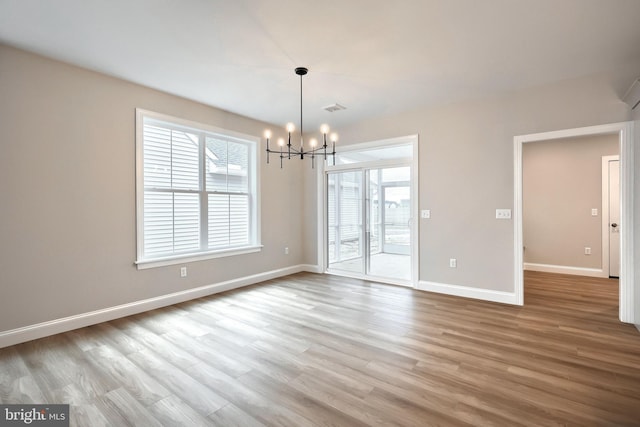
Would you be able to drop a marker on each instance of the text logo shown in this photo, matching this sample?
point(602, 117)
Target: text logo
point(34, 415)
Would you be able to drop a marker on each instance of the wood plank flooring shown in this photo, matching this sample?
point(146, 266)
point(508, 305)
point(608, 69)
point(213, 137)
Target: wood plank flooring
point(316, 350)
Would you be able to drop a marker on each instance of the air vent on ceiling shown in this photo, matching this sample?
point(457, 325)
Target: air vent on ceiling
point(334, 107)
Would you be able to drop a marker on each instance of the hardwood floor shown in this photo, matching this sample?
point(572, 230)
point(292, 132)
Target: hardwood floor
point(315, 350)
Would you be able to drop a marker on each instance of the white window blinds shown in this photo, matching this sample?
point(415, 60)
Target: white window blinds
point(198, 190)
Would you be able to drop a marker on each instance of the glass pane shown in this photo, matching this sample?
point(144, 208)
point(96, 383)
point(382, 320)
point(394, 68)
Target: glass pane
point(375, 212)
point(350, 215)
point(227, 166)
point(383, 153)
point(331, 217)
point(185, 171)
point(390, 228)
point(238, 168)
point(186, 234)
point(158, 223)
point(218, 221)
point(157, 157)
point(396, 216)
point(401, 174)
point(345, 221)
point(238, 220)
point(216, 164)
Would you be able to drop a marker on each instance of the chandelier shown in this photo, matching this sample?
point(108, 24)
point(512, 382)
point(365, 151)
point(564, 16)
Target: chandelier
point(314, 149)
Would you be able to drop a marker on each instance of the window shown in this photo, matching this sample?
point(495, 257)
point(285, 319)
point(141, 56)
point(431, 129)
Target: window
point(196, 191)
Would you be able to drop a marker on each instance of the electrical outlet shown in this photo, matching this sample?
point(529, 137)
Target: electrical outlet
point(453, 263)
point(425, 214)
point(587, 250)
point(183, 271)
point(286, 250)
point(594, 212)
point(503, 213)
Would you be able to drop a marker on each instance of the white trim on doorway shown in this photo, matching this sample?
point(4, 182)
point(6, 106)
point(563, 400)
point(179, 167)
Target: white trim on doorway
point(605, 213)
point(625, 133)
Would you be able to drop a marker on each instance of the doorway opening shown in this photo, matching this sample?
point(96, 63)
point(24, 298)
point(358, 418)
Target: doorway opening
point(624, 132)
point(563, 205)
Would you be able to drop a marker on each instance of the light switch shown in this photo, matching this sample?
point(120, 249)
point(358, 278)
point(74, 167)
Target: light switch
point(594, 212)
point(426, 214)
point(503, 213)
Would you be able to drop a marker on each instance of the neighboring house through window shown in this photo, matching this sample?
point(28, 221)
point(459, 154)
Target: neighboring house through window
point(197, 192)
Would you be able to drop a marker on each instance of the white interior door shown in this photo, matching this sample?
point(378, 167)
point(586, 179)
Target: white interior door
point(614, 218)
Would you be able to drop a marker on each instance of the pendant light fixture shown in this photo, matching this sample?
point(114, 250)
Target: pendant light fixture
point(287, 151)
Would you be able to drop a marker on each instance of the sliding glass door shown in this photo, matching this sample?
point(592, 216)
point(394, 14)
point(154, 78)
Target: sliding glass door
point(369, 222)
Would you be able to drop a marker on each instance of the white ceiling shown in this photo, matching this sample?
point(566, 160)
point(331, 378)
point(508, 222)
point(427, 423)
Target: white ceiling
point(374, 57)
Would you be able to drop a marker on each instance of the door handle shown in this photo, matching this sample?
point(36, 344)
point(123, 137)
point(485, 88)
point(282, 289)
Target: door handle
point(614, 225)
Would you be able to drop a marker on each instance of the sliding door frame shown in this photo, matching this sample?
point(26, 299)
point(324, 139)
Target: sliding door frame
point(322, 192)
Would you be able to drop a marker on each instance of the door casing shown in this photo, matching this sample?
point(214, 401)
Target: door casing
point(322, 256)
point(625, 132)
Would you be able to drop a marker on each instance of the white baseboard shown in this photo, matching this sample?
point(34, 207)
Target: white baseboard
point(311, 268)
point(564, 269)
point(52, 327)
point(468, 292)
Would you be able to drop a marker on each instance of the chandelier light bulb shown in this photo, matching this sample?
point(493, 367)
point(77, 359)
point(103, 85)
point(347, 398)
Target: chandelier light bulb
point(267, 133)
point(281, 142)
point(313, 142)
point(334, 137)
point(324, 129)
point(290, 127)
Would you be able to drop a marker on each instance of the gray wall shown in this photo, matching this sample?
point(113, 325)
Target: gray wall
point(562, 182)
point(67, 182)
point(466, 169)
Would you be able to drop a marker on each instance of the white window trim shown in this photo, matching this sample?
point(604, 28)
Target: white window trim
point(142, 263)
point(180, 259)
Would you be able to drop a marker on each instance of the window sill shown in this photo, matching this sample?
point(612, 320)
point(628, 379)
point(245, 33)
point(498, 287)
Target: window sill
point(181, 259)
